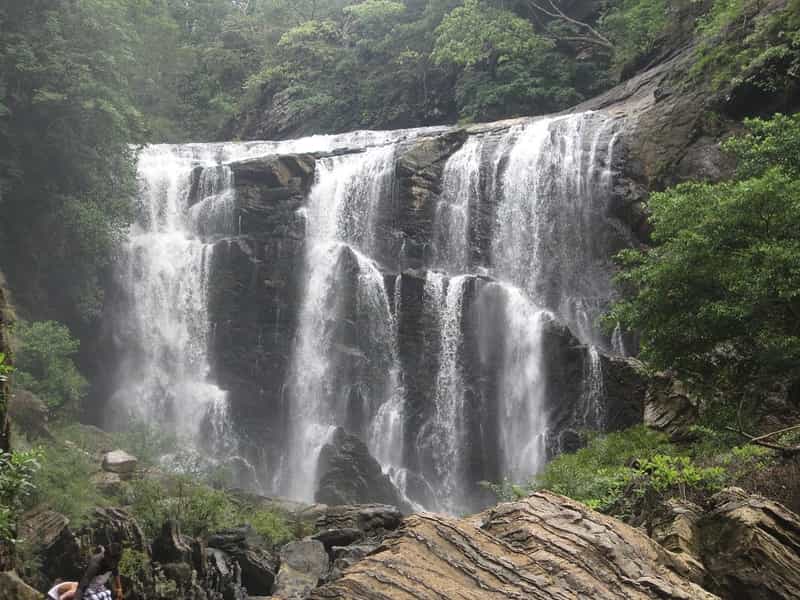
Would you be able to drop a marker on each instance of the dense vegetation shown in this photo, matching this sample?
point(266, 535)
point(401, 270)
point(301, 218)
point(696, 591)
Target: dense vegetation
point(736, 311)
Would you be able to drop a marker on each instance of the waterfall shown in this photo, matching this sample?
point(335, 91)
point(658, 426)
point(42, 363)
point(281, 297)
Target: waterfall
point(516, 246)
point(345, 370)
point(164, 377)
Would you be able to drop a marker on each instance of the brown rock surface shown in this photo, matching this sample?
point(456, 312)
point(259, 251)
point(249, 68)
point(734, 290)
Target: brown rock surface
point(13, 588)
point(751, 547)
point(543, 547)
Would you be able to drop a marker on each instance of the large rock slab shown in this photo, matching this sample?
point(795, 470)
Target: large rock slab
point(751, 547)
point(303, 565)
point(375, 521)
point(544, 547)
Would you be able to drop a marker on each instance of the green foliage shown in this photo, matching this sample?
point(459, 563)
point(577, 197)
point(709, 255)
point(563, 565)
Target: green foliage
point(45, 366)
point(507, 68)
point(599, 474)
point(200, 510)
point(271, 525)
point(66, 162)
point(620, 472)
point(634, 26)
point(738, 306)
point(665, 472)
point(741, 47)
point(146, 442)
point(133, 563)
point(17, 473)
point(63, 482)
point(5, 368)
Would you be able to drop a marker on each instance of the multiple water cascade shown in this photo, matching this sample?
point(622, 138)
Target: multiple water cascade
point(519, 243)
point(164, 275)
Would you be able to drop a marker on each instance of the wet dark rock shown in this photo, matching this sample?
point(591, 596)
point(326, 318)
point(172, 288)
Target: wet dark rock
point(224, 575)
point(171, 547)
point(347, 556)
point(258, 565)
point(419, 178)
point(338, 537)
point(348, 474)
point(625, 386)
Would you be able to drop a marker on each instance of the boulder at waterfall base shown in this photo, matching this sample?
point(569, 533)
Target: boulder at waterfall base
point(120, 462)
point(348, 474)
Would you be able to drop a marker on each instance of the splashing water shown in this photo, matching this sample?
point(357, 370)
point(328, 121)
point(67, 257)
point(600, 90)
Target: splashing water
point(164, 378)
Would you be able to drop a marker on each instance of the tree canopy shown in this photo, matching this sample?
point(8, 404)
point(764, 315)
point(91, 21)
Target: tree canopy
point(721, 286)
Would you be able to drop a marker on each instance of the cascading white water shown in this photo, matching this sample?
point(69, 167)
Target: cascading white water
point(460, 191)
point(164, 379)
point(446, 432)
point(553, 195)
point(340, 216)
point(522, 425)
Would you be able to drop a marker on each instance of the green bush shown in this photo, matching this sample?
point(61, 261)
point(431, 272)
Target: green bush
point(200, 510)
point(63, 482)
point(17, 473)
point(599, 474)
point(146, 442)
point(734, 311)
point(133, 563)
point(270, 524)
point(45, 350)
point(616, 472)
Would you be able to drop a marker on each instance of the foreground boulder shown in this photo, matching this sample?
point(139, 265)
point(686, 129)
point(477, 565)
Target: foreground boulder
point(303, 565)
point(751, 547)
point(350, 475)
point(543, 547)
point(13, 588)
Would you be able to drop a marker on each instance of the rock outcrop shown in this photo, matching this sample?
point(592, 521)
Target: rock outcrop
point(670, 407)
point(30, 414)
point(545, 546)
point(120, 462)
point(751, 547)
point(258, 565)
point(303, 565)
point(13, 588)
point(348, 474)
